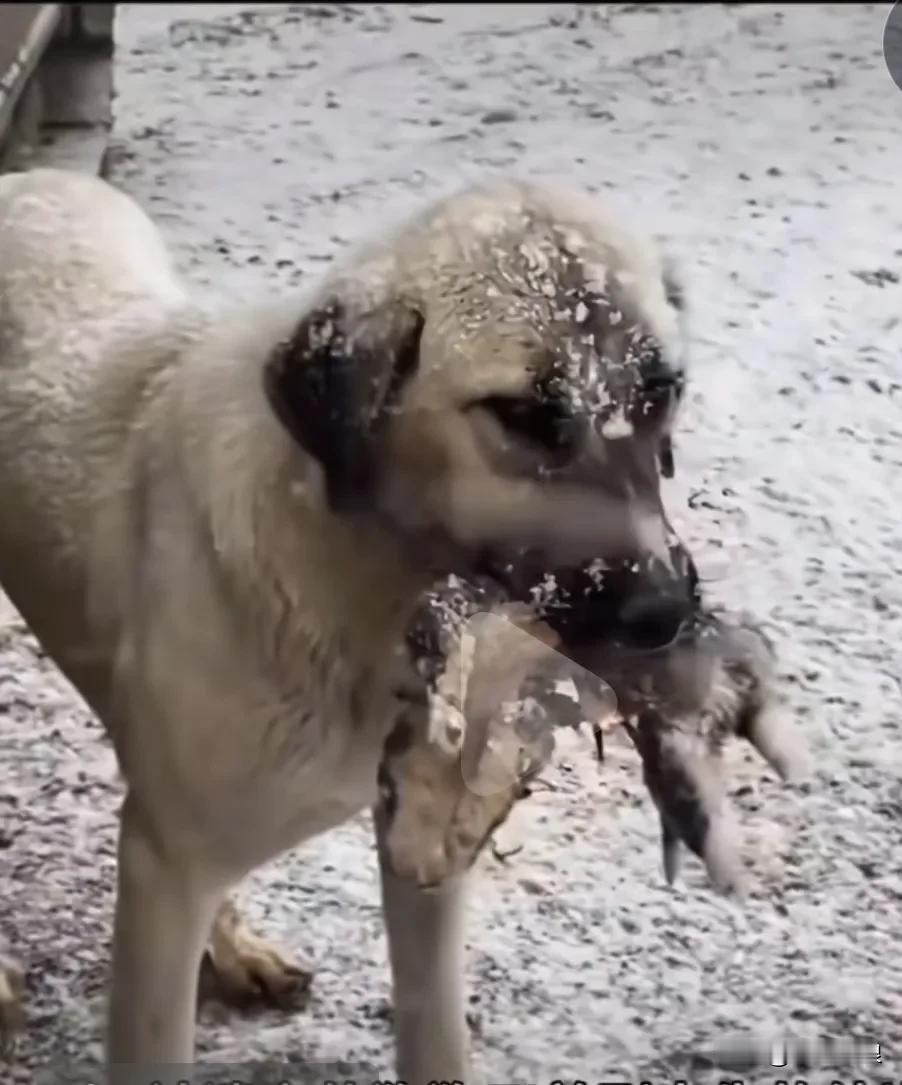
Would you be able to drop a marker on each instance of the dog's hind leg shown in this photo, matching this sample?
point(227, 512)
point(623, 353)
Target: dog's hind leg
point(242, 969)
point(164, 912)
point(426, 950)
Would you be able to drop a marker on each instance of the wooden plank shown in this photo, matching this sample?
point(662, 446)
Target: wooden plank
point(56, 67)
point(25, 32)
point(16, 21)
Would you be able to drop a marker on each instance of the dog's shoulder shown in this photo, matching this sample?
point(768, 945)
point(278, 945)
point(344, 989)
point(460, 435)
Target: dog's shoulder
point(83, 270)
point(68, 236)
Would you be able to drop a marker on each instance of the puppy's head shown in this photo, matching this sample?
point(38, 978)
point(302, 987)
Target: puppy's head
point(496, 381)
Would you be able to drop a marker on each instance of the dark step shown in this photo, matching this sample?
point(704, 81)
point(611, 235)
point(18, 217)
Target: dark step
point(56, 85)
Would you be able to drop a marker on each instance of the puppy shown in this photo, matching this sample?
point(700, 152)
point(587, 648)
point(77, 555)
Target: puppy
point(219, 526)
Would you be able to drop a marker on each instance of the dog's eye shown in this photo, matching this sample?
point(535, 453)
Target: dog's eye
point(541, 423)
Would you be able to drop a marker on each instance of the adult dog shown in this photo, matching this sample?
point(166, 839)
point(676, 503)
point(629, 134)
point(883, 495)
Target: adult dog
point(218, 524)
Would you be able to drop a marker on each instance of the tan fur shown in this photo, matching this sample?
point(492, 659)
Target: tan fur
point(171, 546)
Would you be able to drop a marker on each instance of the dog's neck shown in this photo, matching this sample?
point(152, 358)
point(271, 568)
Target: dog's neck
point(293, 565)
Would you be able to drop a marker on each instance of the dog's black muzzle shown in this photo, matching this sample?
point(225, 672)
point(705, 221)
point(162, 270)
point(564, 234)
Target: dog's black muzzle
point(645, 605)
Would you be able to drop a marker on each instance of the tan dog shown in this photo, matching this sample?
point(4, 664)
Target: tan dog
point(219, 525)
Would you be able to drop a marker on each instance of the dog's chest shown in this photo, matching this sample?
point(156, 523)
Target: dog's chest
point(317, 753)
point(275, 730)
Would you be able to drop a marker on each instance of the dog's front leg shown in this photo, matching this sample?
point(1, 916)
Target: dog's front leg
point(426, 950)
point(163, 917)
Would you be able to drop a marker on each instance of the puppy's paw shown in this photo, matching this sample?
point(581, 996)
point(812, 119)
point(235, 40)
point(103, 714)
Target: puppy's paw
point(242, 969)
point(12, 1013)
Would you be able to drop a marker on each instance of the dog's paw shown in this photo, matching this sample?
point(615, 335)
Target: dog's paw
point(12, 1013)
point(242, 969)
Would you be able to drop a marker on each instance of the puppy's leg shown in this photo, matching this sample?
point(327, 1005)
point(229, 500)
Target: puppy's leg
point(426, 950)
point(164, 911)
point(241, 968)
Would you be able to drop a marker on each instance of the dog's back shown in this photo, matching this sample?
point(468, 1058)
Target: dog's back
point(82, 271)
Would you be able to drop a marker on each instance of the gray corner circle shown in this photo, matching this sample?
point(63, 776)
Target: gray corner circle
point(892, 43)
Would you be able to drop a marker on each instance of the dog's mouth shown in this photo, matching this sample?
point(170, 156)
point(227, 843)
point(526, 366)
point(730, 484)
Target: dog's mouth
point(594, 603)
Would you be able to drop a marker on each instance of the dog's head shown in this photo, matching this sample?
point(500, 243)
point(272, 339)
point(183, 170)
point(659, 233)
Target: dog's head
point(497, 383)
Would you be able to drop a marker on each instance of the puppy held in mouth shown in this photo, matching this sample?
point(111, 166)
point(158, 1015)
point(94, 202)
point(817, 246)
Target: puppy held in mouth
point(466, 748)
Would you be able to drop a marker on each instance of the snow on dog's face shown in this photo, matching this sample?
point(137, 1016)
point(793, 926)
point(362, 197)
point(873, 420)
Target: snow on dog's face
point(495, 382)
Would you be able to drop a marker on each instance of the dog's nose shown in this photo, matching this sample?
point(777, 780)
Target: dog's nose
point(653, 619)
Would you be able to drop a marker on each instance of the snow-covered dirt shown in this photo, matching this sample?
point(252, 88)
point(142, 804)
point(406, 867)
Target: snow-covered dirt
point(763, 142)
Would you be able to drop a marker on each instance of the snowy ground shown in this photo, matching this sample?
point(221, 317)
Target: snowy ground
point(764, 143)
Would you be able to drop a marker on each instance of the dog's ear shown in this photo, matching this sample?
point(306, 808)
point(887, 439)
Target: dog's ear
point(333, 383)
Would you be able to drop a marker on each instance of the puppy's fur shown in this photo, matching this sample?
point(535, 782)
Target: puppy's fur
point(218, 524)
